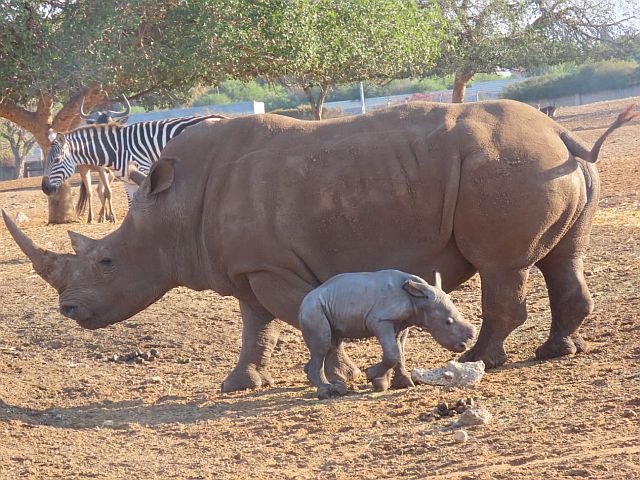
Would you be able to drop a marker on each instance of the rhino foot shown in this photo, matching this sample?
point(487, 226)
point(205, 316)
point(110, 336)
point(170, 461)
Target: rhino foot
point(246, 379)
point(560, 346)
point(402, 380)
point(330, 390)
point(344, 370)
point(492, 358)
point(380, 384)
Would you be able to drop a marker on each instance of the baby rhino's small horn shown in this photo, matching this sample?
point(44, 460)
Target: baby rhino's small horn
point(437, 278)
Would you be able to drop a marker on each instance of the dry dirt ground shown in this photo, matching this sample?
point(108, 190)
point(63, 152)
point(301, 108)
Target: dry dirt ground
point(68, 412)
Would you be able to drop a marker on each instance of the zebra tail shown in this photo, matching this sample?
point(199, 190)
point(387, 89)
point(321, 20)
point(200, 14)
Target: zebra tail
point(83, 199)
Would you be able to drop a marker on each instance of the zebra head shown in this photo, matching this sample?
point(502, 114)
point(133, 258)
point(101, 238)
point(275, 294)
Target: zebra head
point(59, 165)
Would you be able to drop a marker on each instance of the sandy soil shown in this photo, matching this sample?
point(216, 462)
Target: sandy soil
point(68, 412)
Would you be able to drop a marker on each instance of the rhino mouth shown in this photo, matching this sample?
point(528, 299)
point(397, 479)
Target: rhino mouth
point(76, 312)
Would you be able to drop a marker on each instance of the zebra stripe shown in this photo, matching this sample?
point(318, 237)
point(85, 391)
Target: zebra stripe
point(114, 146)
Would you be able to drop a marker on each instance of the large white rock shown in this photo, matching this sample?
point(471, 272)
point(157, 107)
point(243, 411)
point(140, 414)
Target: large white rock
point(454, 375)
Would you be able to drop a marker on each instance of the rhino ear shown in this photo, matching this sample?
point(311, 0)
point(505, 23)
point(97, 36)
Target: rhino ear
point(160, 177)
point(415, 289)
point(80, 244)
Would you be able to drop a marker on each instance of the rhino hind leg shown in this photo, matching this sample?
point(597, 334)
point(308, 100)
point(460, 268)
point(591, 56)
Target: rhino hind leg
point(339, 367)
point(570, 304)
point(259, 337)
point(503, 310)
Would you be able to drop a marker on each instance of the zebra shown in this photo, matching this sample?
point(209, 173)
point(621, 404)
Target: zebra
point(112, 145)
point(105, 176)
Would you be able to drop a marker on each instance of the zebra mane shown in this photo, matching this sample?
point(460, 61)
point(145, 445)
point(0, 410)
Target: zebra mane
point(96, 126)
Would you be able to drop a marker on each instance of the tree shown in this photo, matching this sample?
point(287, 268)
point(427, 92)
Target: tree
point(314, 44)
point(490, 34)
point(55, 54)
point(19, 142)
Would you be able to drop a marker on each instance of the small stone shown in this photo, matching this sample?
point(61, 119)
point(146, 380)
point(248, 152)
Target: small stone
point(629, 414)
point(21, 218)
point(460, 436)
point(377, 423)
point(113, 358)
point(184, 361)
point(443, 408)
point(469, 401)
point(461, 408)
point(474, 416)
point(107, 423)
point(461, 402)
point(451, 413)
point(426, 417)
point(154, 353)
point(156, 380)
point(145, 356)
point(151, 359)
point(139, 360)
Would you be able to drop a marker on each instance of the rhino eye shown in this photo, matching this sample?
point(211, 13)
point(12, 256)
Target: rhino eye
point(106, 262)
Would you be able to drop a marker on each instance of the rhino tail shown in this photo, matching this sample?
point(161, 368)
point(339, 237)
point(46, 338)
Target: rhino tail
point(578, 149)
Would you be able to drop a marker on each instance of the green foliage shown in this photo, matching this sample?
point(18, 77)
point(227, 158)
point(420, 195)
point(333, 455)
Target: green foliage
point(590, 77)
point(134, 46)
point(304, 112)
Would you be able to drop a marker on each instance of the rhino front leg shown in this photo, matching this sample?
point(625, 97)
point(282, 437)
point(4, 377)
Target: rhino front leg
point(380, 373)
point(282, 293)
point(401, 377)
point(259, 337)
point(503, 309)
point(570, 304)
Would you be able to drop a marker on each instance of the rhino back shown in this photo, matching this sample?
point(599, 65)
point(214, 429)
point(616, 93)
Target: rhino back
point(325, 198)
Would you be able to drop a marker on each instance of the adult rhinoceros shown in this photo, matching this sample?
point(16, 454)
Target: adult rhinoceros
point(265, 208)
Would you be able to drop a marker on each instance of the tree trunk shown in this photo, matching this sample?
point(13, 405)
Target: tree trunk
point(61, 205)
point(317, 105)
point(460, 86)
point(18, 160)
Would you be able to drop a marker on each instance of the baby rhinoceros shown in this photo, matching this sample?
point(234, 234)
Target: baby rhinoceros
point(383, 304)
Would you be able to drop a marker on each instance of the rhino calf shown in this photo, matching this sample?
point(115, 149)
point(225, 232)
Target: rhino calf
point(383, 304)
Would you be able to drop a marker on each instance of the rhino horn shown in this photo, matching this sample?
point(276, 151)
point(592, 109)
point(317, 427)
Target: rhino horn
point(437, 279)
point(44, 262)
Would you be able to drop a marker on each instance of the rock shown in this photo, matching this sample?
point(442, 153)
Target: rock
point(454, 375)
point(113, 358)
point(629, 414)
point(107, 423)
point(443, 409)
point(426, 417)
point(21, 218)
point(461, 408)
point(139, 360)
point(469, 401)
point(460, 436)
point(154, 353)
point(377, 423)
point(184, 361)
point(474, 416)
point(145, 356)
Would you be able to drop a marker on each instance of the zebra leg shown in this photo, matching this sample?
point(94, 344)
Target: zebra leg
point(85, 192)
point(106, 177)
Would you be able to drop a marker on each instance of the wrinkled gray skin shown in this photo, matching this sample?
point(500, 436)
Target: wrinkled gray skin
point(383, 304)
point(266, 208)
